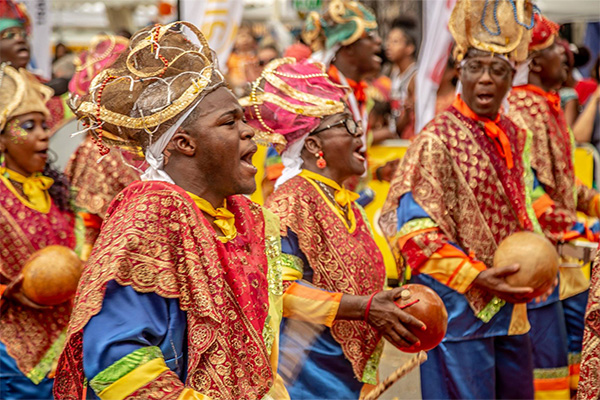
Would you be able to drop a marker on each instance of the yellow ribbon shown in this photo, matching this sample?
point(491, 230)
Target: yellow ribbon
point(343, 196)
point(35, 188)
point(224, 218)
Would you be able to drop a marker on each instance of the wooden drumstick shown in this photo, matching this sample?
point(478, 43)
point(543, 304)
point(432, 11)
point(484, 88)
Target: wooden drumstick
point(408, 366)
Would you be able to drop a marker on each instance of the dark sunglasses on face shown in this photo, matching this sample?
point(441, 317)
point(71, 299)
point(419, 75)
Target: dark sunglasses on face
point(351, 126)
point(11, 33)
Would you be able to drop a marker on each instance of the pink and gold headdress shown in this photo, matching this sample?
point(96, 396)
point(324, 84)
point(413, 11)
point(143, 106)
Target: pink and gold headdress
point(102, 53)
point(289, 100)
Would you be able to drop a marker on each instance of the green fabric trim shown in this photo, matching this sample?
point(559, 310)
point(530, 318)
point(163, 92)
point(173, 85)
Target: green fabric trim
point(124, 366)
point(574, 358)
point(363, 213)
point(416, 225)
point(370, 371)
point(537, 193)
point(528, 180)
point(550, 373)
point(573, 145)
point(273, 160)
point(6, 23)
point(293, 262)
point(274, 278)
point(491, 309)
point(273, 251)
point(79, 234)
point(39, 372)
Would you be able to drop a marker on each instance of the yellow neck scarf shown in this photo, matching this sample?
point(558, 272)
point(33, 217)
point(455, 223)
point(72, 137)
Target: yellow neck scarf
point(224, 218)
point(35, 187)
point(343, 196)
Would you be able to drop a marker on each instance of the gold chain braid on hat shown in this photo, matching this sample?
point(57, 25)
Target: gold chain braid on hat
point(148, 86)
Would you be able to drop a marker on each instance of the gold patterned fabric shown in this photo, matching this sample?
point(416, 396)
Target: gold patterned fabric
point(96, 183)
point(455, 173)
point(155, 240)
point(589, 375)
point(342, 261)
point(28, 334)
point(551, 158)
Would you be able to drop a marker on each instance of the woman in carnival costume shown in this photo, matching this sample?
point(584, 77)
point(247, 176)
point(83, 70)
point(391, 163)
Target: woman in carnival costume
point(95, 179)
point(34, 213)
point(335, 312)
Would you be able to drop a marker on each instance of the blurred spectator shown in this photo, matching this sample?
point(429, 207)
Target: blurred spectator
point(587, 126)
point(266, 54)
point(60, 50)
point(299, 51)
point(584, 87)
point(569, 100)
point(62, 71)
point(401, 49)
point(243, 54)
point(124, 33)
point(447, 91)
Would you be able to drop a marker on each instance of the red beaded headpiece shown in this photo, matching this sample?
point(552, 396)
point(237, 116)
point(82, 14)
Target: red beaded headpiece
point(544, 33)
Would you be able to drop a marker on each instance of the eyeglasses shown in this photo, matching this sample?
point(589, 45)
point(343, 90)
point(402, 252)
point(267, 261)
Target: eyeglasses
point(264, 62)
point(497, 70)
point(11, 33)
point(353, 128)
point(373, 35)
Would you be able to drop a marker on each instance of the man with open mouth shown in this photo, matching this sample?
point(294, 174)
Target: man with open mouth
point(180, 295)
point(457, 193)
point(558, 196)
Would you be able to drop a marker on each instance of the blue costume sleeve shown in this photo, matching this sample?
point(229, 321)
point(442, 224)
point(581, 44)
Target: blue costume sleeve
point(290, 245)
point(408, 209)
point(130, 320)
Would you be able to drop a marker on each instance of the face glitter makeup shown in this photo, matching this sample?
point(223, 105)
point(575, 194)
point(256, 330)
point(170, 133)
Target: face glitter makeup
point(16, 133)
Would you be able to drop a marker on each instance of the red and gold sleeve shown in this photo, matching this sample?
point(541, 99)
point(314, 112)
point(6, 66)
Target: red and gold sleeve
point(427, 251)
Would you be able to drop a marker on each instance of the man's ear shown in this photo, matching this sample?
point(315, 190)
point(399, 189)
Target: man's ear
point(535, 65)
point(182, 142)
point(313, 144)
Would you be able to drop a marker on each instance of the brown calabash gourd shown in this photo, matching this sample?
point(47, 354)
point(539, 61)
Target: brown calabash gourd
point(424, 304)
point(50, 275)
point(537, 257)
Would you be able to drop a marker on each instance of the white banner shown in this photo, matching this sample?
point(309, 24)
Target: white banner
point(433, 56)
point(218, 20)
point(41, 32)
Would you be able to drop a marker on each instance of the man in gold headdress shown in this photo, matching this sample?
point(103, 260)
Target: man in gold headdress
point(180, 296)
point(458, 192)
point(344, 38)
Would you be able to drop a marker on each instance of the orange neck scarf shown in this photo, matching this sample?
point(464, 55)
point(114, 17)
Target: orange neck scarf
point(358, 88)
point(492, 130)
point(552, 98)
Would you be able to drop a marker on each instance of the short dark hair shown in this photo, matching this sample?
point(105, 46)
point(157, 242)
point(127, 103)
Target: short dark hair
point(409, 25)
